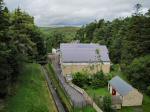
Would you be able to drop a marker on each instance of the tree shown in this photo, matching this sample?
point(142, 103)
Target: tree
point(148, 13)
point(49, 45)
point(80, 34)
point(5, 67)
point(89, 30)
point(30, 39)
point(20, 42)
point(138, 71)
point(56, 39)
point(137, 9)
point(136, 41)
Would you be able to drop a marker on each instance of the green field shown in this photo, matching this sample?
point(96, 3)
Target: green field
point(32, 94)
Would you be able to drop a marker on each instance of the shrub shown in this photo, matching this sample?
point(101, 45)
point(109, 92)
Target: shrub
point(107, 104)
point(97, 80)
point(80, 79)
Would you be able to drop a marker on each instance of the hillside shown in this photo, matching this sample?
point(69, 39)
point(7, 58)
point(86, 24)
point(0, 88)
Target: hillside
point(68, 32)
point(31, 94)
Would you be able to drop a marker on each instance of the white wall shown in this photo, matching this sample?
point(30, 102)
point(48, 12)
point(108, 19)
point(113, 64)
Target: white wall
point(110, 90)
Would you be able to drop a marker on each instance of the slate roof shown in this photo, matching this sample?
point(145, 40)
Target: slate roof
point(83, 53)
point(122, 87)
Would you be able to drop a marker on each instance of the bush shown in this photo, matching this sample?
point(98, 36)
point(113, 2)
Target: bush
point(107, 104)
point(97, 80)
point(80, 79)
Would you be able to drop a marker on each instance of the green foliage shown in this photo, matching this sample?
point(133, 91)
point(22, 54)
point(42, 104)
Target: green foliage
point(85, 109)
point(148, 90)
point(126, 38)
point(138, 71)
point(20, 41)
point(107, 104)
point(31, 94)
point(95, 80)
point(98, 92)
point(80, 79)
point(99, 80)
point(56, 39)
point(55, 36)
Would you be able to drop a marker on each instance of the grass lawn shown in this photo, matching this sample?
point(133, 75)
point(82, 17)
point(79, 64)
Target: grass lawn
point(97, 92)
point(146, 103)
point(126, 109)
point(32, 93)
point(85, 109)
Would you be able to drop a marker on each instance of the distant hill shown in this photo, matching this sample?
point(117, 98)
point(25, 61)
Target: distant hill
point(68, 31)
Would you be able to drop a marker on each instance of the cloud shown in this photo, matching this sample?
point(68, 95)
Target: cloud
point(75, 12)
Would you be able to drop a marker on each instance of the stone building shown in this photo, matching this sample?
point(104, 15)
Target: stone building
point(77, 57)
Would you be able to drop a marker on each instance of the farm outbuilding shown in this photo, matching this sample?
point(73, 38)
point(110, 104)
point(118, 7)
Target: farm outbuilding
point(128, 95)
point(77, 57)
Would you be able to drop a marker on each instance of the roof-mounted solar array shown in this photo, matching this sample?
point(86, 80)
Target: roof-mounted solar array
point(83, 53)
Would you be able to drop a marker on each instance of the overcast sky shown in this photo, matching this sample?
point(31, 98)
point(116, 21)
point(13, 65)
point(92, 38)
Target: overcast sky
point(75, 12)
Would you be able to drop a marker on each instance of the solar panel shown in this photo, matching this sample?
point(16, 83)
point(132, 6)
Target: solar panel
point(83, 53)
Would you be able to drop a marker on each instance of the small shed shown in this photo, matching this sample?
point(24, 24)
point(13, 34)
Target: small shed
point(129, 95)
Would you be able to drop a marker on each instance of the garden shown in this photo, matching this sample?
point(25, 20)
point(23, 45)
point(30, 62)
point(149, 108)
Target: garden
point(96, 86)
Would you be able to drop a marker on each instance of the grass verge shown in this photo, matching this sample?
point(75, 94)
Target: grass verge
point(85, 109)
point(32, 93)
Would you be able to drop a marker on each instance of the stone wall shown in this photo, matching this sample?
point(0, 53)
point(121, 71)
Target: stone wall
point(90, 68)
point(134, 98)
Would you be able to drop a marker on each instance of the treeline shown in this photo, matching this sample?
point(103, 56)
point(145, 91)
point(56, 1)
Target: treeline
point(128, 41)
point(20, 42)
